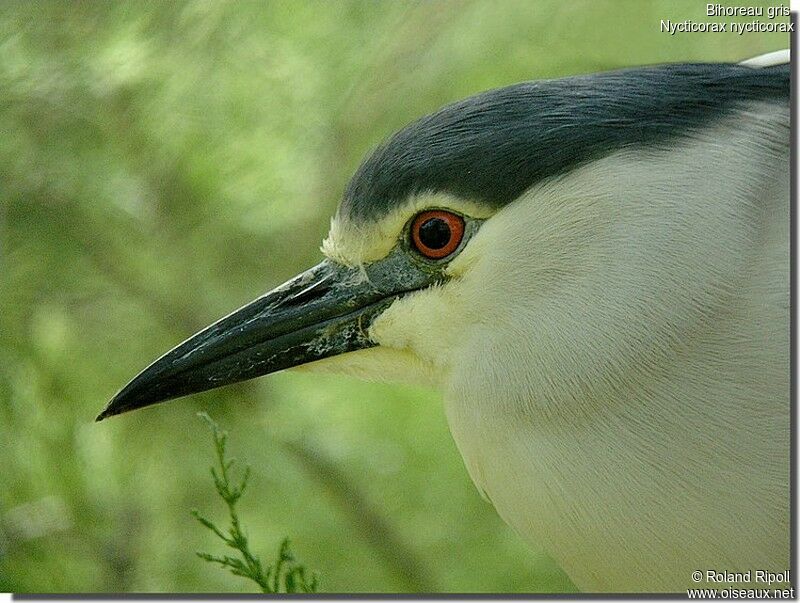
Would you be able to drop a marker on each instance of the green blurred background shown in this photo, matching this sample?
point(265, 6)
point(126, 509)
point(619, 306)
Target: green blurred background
point(161, 164)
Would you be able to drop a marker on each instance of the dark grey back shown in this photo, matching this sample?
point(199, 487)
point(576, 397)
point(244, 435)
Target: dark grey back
point(493, 146)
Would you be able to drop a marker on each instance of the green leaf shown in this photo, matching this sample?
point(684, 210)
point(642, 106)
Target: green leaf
point(285, 575)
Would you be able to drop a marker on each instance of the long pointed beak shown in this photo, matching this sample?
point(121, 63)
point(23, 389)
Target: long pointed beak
point(320, 313)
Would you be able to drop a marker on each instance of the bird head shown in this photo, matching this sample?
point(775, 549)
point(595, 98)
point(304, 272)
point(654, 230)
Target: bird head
point(541, 216)
point(376, 307)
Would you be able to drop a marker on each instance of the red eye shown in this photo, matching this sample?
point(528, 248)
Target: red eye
point(437, 233)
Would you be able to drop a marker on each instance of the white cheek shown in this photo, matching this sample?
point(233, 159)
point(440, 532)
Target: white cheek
point(427, 323)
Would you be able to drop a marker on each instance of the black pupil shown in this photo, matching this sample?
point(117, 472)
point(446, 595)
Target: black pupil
point(434, 233)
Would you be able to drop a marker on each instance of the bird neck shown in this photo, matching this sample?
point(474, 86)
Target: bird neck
point(616, 412)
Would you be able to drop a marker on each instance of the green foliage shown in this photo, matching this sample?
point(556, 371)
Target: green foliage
point(285, 575)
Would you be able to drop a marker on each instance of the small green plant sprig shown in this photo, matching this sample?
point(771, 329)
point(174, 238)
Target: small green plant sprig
point(285, 575)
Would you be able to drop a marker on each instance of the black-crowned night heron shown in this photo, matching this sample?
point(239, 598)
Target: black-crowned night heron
point(595, 272)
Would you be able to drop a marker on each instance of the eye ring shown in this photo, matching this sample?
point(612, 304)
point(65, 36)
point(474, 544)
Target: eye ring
point(437, 233)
